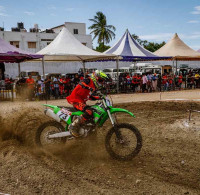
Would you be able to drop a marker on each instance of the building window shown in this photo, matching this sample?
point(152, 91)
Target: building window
point(84, 44)
point(75, 31)
point(15, 43)
point(32, 45)
point(46, 39)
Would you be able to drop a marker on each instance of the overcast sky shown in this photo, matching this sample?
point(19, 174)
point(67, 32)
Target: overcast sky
point(153, 20)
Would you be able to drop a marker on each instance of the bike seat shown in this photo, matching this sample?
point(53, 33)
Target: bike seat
point(71, 109)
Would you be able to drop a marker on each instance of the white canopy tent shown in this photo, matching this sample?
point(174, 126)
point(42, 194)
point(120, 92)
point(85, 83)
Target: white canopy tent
point(176, 48)
point(65, 47)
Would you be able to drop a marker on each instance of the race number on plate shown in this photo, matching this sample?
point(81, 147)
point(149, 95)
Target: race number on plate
point(64, 114)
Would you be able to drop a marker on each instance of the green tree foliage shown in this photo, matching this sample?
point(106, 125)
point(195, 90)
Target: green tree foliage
point(101, 30)
point(102, 48)
point(151, 46)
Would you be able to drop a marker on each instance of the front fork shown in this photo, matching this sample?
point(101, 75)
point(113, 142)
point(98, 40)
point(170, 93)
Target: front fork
point(114, 123)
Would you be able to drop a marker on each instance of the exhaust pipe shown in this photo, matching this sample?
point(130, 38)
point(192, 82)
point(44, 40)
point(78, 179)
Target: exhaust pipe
point(51, 114)
point(62, 134)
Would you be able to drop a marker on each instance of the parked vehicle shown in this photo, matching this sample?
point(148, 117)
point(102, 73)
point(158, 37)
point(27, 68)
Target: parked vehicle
point(112, 72)
point(153, 69)
point(89, 70)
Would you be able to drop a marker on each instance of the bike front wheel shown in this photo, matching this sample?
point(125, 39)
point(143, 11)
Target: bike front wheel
point(127, 146)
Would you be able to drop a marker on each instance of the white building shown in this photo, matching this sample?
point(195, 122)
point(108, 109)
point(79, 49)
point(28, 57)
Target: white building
point(35, 40)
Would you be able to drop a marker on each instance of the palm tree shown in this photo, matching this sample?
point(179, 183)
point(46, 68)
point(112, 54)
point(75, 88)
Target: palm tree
point(101, 30)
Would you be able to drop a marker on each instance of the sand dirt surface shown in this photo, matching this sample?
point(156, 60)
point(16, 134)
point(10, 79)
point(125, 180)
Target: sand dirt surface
point(167, 164)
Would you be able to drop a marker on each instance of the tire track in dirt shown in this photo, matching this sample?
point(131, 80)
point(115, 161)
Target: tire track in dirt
point(84, 167)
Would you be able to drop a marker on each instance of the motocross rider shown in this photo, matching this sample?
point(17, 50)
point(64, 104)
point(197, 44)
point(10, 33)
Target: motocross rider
point(81, 93)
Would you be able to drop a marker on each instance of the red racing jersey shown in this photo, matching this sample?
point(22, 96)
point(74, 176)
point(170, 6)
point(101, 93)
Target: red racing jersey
point(82, 92)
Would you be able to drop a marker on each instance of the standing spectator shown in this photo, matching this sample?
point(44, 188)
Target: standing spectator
point(39, 88)
point(30, 87)
point(82, 76)
point(180, 80)
point(21, 87)
point(56, 86)
point(164, 82)
point(170, 81)
point(190, 81)
point(61, 85)
point(149, 82)
point(67, 86)
point(139, 84)
point(197, 80)
point(128, 78)
point(154, 82)
point(144, 82)
point(47, 83)
point(134, 82)
point(76, 80)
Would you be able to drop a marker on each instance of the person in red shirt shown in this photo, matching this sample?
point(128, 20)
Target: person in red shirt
point(61, 85)
point(139, 83)
point(180, 80)
point(134, 82)
point(31, 86)
point(80, 95)
point(164, 82)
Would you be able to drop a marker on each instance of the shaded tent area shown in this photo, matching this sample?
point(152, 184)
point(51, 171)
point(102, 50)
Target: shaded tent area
point(178, 50)
point(66, 48)
point(130, 50)
point(11, 54)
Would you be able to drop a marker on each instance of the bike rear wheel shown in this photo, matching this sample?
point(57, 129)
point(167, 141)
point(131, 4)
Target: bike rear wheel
point(128, 146)
point(47, 129)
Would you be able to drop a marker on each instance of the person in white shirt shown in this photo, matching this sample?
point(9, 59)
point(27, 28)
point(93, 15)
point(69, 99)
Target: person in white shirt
point(56, 86)
point(144, 82)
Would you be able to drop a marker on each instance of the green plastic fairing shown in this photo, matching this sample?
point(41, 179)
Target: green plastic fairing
point(112, 111)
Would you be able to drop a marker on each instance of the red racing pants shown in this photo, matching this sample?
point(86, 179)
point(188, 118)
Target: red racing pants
point(87, 110)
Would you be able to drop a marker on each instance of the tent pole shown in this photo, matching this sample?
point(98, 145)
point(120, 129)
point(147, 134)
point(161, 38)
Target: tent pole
point(176, 68)
point(19, 69)
point(84, 69)
point(117, 64)
point(43, 68)
point(135, 64)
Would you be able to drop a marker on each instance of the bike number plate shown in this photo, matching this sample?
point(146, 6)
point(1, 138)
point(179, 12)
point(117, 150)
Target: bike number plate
point(64, 114)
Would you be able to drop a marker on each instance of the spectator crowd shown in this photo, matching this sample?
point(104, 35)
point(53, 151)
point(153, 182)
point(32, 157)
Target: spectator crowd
point(59, 86)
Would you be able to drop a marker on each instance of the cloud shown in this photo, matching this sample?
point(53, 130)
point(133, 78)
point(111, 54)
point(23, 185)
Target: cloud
point(157, 37)
point(70, 9)
point(2, 14)
point(2, 8)
point(29, 13)
point(2, 11)
point(196, 10)
point(167, 36)
point(52, 7)
point(195, 47)
point(193, 22)
point(195, 35)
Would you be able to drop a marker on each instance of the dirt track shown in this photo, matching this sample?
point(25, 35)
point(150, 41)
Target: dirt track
point(168, 163)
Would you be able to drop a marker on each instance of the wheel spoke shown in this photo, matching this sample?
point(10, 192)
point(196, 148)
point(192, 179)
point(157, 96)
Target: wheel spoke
point(128, 146)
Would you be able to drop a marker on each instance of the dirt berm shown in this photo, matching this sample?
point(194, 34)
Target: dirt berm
point(169, 162)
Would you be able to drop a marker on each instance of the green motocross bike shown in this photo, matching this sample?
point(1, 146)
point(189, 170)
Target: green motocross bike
point(123, 141)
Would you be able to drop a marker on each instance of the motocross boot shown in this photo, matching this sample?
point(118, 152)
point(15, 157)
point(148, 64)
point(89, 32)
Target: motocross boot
point(75, 127)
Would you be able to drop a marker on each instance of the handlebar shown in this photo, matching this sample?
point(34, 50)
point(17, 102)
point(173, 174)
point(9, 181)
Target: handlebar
point(102, 96)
